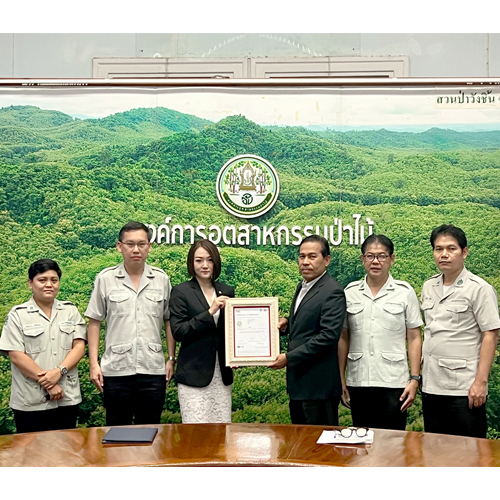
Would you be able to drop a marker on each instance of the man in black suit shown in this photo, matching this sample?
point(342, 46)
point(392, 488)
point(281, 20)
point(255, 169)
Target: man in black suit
point(314, 326)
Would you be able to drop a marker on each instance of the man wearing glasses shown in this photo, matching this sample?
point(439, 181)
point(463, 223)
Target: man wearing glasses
point(133, 299)
point(383, 316)
point(460, 338)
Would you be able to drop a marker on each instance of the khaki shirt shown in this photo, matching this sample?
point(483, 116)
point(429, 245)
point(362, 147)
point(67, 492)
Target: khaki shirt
point(47, 341)
point(134, 320)
point(377, 333)
point(454, 323)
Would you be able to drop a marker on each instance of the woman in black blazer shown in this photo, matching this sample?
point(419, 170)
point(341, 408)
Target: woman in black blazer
point(197, 318)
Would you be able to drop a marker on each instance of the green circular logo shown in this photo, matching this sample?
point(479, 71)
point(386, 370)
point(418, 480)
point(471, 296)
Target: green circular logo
point(247, 186)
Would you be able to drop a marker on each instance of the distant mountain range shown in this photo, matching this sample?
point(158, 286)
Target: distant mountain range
point(457, 127)
point(150, 121)
point(158, 122)
point(435, 138)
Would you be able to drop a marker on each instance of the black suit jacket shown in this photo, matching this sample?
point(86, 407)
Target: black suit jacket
point(194, 327)
point(313, 370)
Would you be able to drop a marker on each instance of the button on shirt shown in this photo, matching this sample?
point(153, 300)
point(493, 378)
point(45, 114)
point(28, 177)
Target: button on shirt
point(134, 320)
point(47, 341)
point(454, 323)
point(377, 333)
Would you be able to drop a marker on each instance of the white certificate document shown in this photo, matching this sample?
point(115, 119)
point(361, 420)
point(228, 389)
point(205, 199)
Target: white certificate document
point(252, 331)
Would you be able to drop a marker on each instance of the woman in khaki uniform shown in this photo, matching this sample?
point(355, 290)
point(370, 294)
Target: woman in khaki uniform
point(45, 339)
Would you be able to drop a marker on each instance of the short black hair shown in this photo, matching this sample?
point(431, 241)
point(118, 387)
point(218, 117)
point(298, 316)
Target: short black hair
point(213, 252)
point(43, 265)
point(325, 247)
point(450, 230)
point(378, 238)
point(134, 226)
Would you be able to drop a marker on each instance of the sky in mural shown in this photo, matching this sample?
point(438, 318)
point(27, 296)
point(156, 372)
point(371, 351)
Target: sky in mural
point(356, 108)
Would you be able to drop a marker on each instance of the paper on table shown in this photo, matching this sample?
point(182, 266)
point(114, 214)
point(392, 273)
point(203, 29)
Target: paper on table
point(333, 437)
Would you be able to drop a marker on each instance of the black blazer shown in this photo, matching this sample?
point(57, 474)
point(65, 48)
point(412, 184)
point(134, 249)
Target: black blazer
point(194, 327)
point(313, 370)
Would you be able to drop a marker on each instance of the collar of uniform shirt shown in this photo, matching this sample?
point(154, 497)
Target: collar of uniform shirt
point(389, 283)
point(459, 280)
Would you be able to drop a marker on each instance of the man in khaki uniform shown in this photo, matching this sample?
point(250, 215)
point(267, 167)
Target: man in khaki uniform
point(383, 316)
point(45, 339)
point(133, 299)
point(460, 338)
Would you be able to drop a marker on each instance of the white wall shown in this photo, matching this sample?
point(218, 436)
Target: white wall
point(27, 55)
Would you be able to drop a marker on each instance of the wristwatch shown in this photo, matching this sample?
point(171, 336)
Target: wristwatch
point(171, 358)
point(63, 369)
point(418, 378)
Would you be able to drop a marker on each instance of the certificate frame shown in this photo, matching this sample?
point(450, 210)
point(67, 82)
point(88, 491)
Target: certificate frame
point(232, 308)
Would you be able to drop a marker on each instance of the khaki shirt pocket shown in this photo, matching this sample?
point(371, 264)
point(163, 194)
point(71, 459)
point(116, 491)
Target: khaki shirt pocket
point(155, 357)
point(33, 338)
point(354, 367)
point(395, 317)
point(452, 373)
point(71, 387)
point(154, 302)
point(393, 367)
point(459, 312)
point(122, 357)
point(67, 329)
point(119, 303)
point(427, 307)
point(34, 393)
point(355, 316)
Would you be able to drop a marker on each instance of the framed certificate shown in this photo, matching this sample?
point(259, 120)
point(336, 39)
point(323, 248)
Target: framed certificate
point(252, 337)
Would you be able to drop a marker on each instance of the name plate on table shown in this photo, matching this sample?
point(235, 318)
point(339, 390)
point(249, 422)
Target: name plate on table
point(252, 336)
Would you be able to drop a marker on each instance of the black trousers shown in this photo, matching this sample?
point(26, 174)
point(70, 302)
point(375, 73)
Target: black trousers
point(452, 415)
point(63, 417)
point(134, 399)
point(315, 412)
point(377, 407)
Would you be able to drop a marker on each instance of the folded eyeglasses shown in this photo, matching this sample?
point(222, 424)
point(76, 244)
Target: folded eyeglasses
point(349, 431)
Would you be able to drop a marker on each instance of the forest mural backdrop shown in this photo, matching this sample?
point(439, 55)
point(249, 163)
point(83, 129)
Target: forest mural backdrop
point(75, 165)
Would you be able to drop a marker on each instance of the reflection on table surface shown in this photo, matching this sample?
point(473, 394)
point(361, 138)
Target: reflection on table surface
point(245, 445)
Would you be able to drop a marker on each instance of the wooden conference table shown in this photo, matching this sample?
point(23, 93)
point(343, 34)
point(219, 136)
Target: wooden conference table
point(244, 445)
